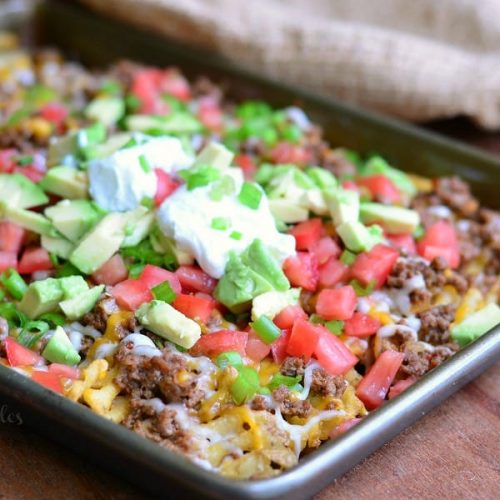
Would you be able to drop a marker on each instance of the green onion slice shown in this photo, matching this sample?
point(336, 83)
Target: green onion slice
point(250, 195)
point(14, 283)
point(229, 358)
point(347, 257)
point(266, 329)
point(245, 386)
point(285, 380)
point(164, 292)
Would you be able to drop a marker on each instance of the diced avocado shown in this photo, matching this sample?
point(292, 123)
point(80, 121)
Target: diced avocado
point(322, 177)
point(179, 122)
point(138, 227)
point(215, 155)
point(359, 238)
point(72, 286)
point(73, 218)
point(100, 244)
point(161, 318)
point(163, 244)
point(41, 297)
point(394, 219)
point(477, 324)
point(59, 349)
point(113, 144)
point(343, 205)
point(31, 221)
point(290, 183)
point(18, 191)
point(313, 200)
point(106, 110)
point(57, 246)
point(377, 165)
point(272, 303)
point(287, 211)
point(82, 303)
point(67, 182)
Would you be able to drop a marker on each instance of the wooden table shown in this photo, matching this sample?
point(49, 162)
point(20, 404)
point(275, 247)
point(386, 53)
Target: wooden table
point(454, 452)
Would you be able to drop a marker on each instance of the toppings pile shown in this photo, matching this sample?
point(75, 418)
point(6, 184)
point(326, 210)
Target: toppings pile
point(214, 276)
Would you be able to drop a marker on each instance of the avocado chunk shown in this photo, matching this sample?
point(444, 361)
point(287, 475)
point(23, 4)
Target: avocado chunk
point(41, 297)
point(272, 303)
point(322, 177)
point(82, 303)
point(106, 110)
point(113, 144)
point(475, 325)
point(57, 246)
point(73, 218)
point(31, 221)
point(67, 182)
point(215, 155)
point(394, 219)
point(377, 165)
point(138, 226)
point(100, 244)
point(163, 244)
point(179, 122)
point(161, 318)
point(18, 191)
point(59, 349)
point(343, 205)
point(359, 238)
point(72, 286)
point(287, 210)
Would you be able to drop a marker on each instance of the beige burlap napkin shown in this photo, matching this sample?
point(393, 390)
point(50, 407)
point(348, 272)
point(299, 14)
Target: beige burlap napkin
point(416, 59)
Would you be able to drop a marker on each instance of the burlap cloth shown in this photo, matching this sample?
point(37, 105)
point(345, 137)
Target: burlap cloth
point(416, 59)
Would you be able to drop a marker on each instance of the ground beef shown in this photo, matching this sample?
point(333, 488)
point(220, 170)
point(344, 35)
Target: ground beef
point(98, 317)
point(416, 362)
point(435, 324)
point(293, 366)
point(87, 343)
point(442, 353)
point(289, 406)
point(420, 296)
point(325, 384)
point(455, 193)
point(259, 403)
point(336, 161)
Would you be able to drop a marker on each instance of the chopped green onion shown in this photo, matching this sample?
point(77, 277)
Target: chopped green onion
point(221, 223)
point(111, 87)
point(55, 318)
point(164, 292)
point(132, 102)
point(249, 110)
point(269, 136)
point(53, 259)
point(362, 291)
point(2, 294)
point(292, 133)
point(14, 317)
point(245, 386)
point(335, 326)
point(229, 358)
point(129, 228)
point(296, 388)
point(143, 253)
point(32, 333)
point(419, 232)
point(347, 257)
point(250, 195)
point(236, 235)
point(14, 283)
point(148, 202)
point(266, 329)
point(24, 160)
point(200, 176)
point(285, 380)
point(315, 319)
point(144, 162)
point(67, 269)
point(264, 390)
point(135, 270)
point(222, 188)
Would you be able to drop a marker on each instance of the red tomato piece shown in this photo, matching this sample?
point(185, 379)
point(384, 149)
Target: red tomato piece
point(375, 384)
point(332, 354)
point(325, 249)
point(210, 114)
point(361, 325)
point(284, 152)
point(307, 233)
point(247, 164)
point(7, 161)
point(403, 242)
point(174, 84)
point(344, 427)
point(193, 279)
point(111, 272)
point(336, 303)
point(11, 236)
point(34, 259)
point(401, 386)
point(54, 112)
point(256, 349)
point(440, 240)
point(131, 294)
point(18, 355)
point(7, 259)
point(154, 275)
point(278, 347)
point(287, 317)
point(352, 186)
point(145, 87)
point(332, 272)
point(215, 343)
point(49, 380)
point(302, 270)
point(303, 339)
point(194, 306)
point(374, 265)
point(165, 186)
point(381, 187)
point(64, 371)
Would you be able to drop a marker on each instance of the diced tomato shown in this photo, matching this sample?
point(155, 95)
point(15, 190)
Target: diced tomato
point(440, 240)
point(344, 427)
point(332, 354)
point(256, 349)
point(7, 259)
point(154, 275)
point(287, 317)
point(193, 279)
point(64, 371)
point(352, 186)
point(131, 294)
point(111, 272)
point(145, 87)
point(165, 186)
point(11, 236)
point(34, 259)
point(302, 270)
point(7, 161)
point(401, 386)
point(307, 233)
point(215, 343)
point(381, 187)
point(247, 164)
point(174, 84)
point(284, 152)
point(54, 112)
point(361, 325)
point(210, 114)
point(374, 265)
point(403, 242)
point(325, 249)
point(18, 355)
point(194, 306)
point(49, 380)
point(375, 384)
point(303, 339)
point(332, 273)
point(337, 303)
point(278, 347)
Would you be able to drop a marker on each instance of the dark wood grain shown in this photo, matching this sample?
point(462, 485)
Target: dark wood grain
point(454, 452)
